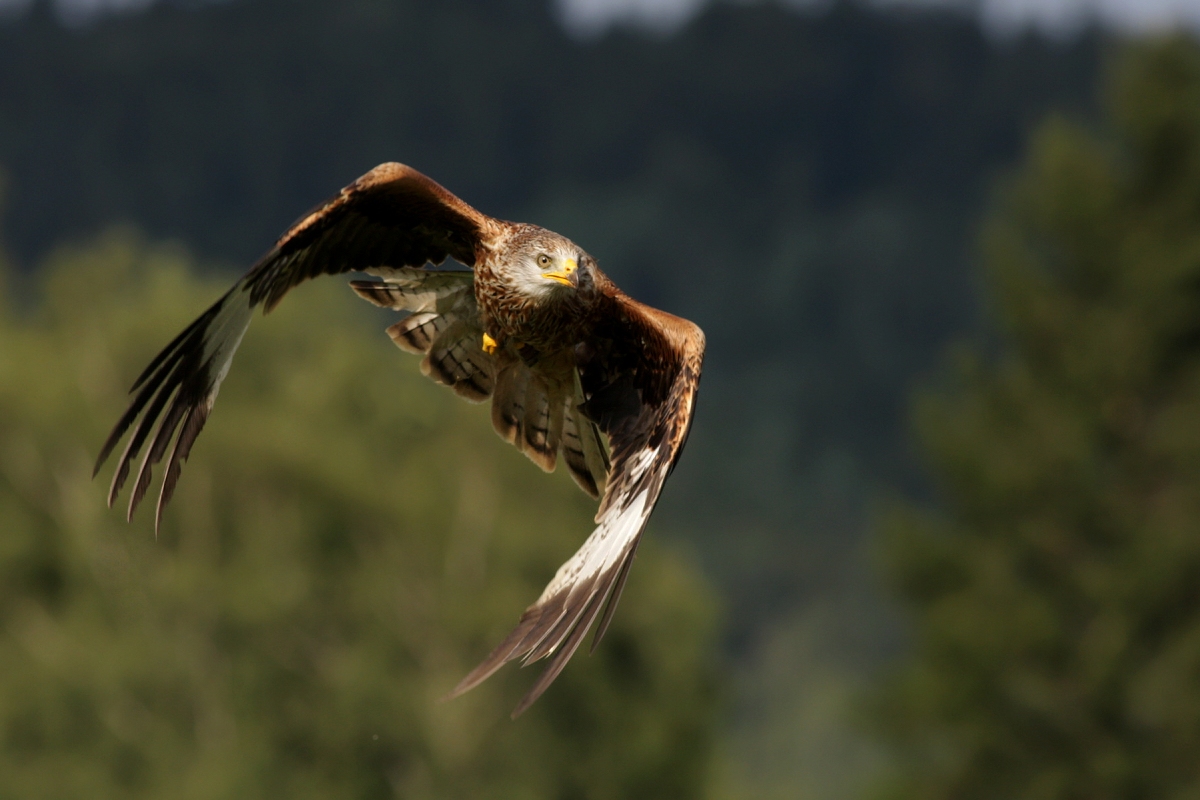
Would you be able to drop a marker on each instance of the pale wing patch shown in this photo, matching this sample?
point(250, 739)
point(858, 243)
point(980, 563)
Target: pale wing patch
point(617, 524)
point(556, 624)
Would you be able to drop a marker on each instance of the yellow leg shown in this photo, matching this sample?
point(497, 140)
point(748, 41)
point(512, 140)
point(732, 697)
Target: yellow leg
point(489, 344)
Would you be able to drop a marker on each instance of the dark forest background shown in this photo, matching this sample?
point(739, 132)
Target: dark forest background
point(808, 187)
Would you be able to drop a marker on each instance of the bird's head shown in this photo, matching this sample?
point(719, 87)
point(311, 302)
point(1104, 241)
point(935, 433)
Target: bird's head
point(548, 264)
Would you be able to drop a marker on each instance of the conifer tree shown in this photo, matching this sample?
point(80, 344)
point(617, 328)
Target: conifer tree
point(1054, 596)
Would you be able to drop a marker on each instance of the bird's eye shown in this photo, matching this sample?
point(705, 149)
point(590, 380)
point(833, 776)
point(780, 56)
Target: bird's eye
point(543, 260)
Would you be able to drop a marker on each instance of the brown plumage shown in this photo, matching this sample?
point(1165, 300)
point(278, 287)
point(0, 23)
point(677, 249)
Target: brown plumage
point(571, 364)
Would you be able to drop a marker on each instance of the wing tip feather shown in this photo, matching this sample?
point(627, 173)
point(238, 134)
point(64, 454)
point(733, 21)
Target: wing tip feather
point(501, 654)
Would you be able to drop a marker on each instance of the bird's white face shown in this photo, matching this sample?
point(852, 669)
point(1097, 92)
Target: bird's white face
point(545, 267)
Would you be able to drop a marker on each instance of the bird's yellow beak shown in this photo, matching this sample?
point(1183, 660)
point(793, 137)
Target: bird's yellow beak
point(563, 275)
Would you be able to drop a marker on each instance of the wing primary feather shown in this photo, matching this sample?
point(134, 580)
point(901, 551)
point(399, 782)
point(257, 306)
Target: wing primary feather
point(557, 622)
point(167, 352)
point(614, 596)
point(561, 658)
point(163, 368)
point(191, 369)
point(145, 393)
point(501, 654)
point(189, 429)
point(157, 392)
point(119, 474)
point(154, 453)
point(171, 476)
point(552, 634)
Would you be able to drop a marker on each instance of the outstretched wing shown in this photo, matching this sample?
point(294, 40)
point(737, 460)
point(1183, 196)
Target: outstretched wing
point(638, 373)
point(392, 216)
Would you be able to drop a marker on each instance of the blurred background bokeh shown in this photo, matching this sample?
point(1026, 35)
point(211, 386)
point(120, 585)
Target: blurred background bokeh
point(937, 530)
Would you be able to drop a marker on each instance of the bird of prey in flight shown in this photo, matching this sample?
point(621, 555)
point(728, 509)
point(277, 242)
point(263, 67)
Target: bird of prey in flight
point(571, 365)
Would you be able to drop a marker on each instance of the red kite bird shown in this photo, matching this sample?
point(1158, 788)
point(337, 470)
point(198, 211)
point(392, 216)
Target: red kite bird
point(570, 362)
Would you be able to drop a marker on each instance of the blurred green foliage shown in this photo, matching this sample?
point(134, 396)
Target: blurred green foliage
point(1055, 598)
point(348, 539)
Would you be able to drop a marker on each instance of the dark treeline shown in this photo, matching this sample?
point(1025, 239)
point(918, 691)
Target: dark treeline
point(212, 123)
